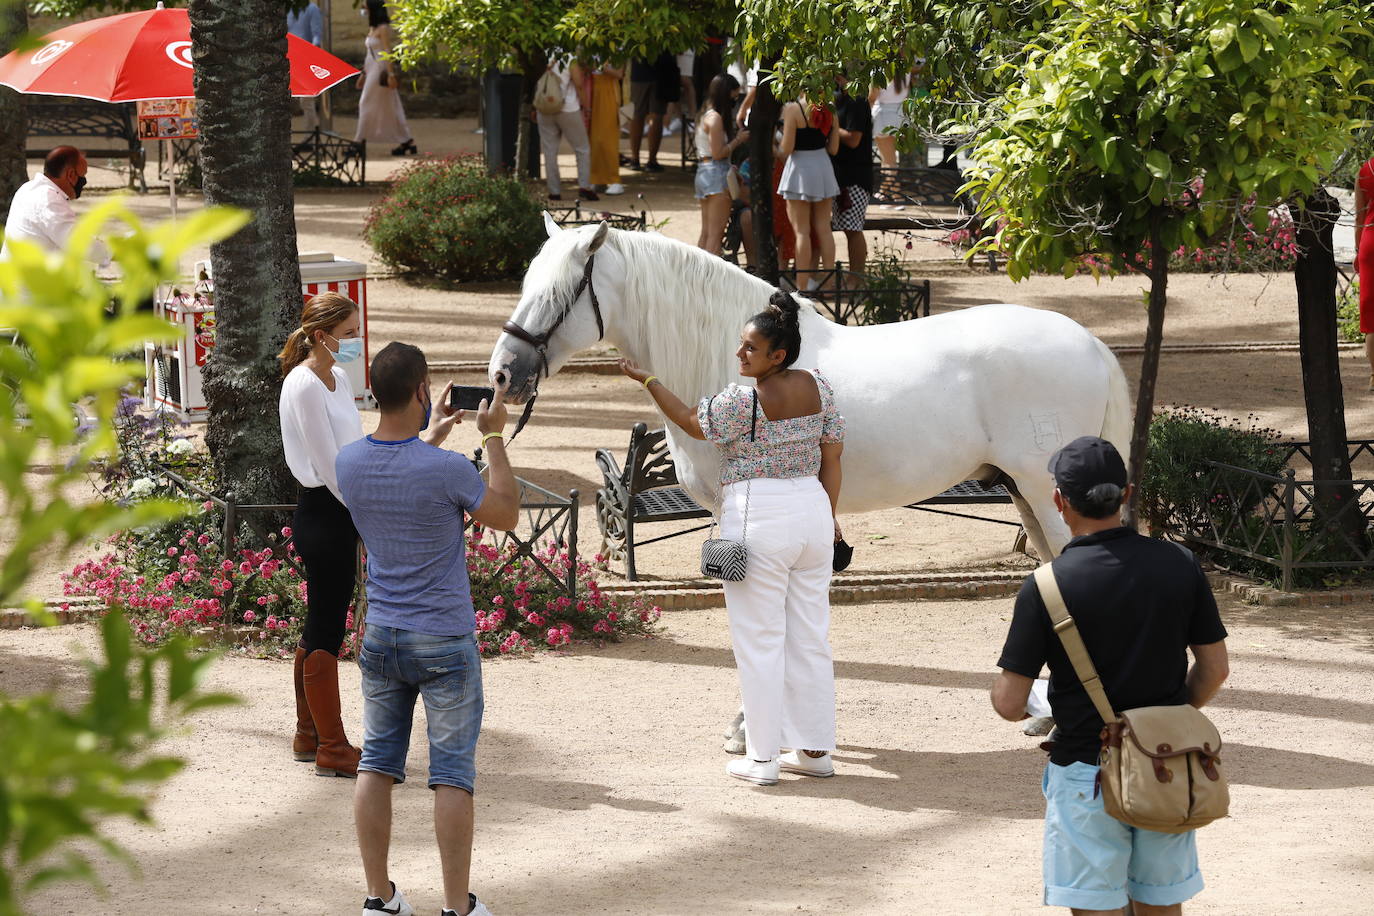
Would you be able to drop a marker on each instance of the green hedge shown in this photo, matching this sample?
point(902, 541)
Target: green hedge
point(447, 218)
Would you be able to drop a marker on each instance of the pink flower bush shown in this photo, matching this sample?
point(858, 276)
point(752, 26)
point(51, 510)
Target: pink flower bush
point(256, 600)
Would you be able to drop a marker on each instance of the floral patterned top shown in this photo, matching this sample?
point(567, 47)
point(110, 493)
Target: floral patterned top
point(780, 448)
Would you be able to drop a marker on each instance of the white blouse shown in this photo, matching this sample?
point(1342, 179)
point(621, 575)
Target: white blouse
point(315, 424)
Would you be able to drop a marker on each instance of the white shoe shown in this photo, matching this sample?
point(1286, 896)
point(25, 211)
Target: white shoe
point(478, 908)
point(673, 128)
point(803, 763)
point(734, 736)
point(396, 906)
point(1037, 726)
point(760, 773)
point(614, 189)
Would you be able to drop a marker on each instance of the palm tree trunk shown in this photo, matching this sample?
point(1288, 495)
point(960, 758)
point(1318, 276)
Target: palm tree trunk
point(14, 22)
point(243, 98)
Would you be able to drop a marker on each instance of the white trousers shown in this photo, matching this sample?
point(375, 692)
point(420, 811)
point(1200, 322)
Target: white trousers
point(780, 614)
point(552, 129)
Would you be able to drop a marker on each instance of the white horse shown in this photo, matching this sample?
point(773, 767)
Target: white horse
point(988, 392)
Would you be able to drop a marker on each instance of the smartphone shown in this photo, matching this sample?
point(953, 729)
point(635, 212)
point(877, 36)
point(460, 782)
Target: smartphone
point(469, 397)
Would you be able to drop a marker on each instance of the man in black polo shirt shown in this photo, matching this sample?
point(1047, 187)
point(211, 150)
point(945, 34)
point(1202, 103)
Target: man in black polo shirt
point(853, 164)
point(1140, 605)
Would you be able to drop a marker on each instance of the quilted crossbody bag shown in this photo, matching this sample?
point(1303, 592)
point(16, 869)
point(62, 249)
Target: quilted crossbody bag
point(1160, 766)
point(723, 558)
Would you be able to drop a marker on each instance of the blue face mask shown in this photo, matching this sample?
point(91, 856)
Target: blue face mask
point(349, 349)
point(429, 407)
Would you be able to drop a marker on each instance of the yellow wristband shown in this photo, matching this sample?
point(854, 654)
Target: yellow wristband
point(501, 436)
point(645, 383)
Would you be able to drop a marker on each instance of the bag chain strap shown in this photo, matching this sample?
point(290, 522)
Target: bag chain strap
point(749, 484)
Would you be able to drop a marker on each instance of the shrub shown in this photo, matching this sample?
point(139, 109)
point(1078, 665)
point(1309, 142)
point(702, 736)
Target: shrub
point(885, 278)
point(1348, 313)
point(1176, 482)
point(448, 218)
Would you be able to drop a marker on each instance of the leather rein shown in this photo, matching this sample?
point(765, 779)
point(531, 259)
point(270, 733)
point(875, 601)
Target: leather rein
point(540, 342)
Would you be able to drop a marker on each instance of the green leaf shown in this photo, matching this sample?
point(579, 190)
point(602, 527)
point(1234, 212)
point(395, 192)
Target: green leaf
point(1157, 164)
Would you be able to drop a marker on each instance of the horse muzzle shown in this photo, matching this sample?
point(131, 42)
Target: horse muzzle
point(517, 366)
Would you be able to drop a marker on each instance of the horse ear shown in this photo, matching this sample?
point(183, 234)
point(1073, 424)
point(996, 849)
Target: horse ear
point(601, 232)
point(550, 226)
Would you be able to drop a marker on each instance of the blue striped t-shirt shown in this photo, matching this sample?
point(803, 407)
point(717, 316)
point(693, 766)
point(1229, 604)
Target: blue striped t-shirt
point(407, 500)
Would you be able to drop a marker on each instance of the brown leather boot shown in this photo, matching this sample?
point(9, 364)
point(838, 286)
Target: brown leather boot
point(304, 744)
point(334, 756)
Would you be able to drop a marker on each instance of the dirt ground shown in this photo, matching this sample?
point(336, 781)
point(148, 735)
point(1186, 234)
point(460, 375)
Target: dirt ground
point(609, 796)
point(601, 790)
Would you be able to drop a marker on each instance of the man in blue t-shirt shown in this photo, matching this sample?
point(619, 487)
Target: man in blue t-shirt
point(1141, 605)
point(407, 499)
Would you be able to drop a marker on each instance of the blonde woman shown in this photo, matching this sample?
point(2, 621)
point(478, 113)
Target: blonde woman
point(319, 417)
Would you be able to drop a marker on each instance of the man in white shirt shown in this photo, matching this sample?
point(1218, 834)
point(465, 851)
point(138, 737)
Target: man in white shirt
point(42, 212)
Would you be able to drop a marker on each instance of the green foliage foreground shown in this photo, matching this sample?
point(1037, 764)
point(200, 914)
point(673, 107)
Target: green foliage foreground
point(66, 770)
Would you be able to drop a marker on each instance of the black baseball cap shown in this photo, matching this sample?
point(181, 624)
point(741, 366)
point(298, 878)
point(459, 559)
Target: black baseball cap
point(1084, 463)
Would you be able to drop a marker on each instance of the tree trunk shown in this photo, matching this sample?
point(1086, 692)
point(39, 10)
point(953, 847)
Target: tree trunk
point(762, 117)
point(527, 140)
point(1315, 276)
point(244, 105)
point(1149, 364)
point(14, 171)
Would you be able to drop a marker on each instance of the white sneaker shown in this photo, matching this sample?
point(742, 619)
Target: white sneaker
point(803, 763)
point(614, 189)
point(478, 908)
point(760, 773)
point(396, 906)
point(1037, 726)
point(673, 128)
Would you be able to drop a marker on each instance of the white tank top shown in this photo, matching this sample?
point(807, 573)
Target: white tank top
point(891, 95)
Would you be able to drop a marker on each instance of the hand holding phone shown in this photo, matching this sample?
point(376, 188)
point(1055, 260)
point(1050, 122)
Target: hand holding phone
point(469, 397)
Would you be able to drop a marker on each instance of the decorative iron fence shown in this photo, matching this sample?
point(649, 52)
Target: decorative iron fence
point(856, 298)
point(1288, 523)
point(572, 217)
point(548, 517)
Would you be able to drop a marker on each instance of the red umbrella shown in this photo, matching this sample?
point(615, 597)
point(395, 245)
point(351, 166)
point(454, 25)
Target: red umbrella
point(138, 57)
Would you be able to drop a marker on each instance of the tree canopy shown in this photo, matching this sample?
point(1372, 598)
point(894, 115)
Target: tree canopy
point(514, 34)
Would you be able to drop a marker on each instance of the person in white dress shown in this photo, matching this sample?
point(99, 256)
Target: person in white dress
point(381, 116)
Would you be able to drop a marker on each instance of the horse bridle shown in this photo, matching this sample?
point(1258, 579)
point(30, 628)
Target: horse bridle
point(540, 342)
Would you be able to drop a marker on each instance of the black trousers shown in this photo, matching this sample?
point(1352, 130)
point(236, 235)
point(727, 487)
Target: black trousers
point(328, 546)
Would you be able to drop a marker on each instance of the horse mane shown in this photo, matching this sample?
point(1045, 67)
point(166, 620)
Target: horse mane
point(686, 307)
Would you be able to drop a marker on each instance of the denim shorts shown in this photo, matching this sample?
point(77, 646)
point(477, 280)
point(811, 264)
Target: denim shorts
point(1094, 862)
point(711, 177)
point(446, 671)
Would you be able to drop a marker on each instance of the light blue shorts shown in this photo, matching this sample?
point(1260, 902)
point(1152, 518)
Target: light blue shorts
point(711, 177)
point(1094, 862)
point(446, 671)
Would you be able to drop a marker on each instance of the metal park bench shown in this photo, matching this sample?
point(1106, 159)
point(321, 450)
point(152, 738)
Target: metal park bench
point(646, 490)
point(70, 119)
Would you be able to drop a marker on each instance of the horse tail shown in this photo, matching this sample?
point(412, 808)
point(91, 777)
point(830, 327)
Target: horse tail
point(1116, 420)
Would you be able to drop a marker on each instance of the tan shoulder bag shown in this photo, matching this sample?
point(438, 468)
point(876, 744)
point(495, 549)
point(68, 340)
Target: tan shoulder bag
point(1160, 767)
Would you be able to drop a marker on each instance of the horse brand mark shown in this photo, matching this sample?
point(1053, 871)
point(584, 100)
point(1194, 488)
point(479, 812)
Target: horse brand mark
point(1045, 429)
point(180, 53)
point(50, 52)
point(320, 72)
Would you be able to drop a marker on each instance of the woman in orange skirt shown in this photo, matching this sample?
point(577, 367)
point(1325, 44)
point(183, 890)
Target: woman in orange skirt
point(605, 130)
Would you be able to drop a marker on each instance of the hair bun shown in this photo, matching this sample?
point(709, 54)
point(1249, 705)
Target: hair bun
point(784, 306)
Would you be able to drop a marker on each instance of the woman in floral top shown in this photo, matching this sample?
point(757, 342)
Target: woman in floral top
point(781, 442)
